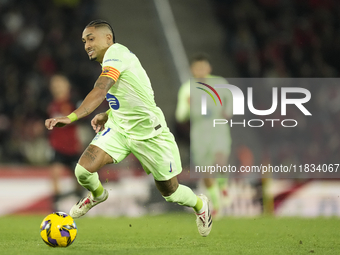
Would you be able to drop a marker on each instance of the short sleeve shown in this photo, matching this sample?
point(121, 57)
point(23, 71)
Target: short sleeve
point(113, 63)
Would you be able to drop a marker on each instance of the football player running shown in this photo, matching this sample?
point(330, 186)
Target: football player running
point(133, 124)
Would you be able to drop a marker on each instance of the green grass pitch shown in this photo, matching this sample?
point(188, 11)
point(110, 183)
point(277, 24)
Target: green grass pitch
point(176, 233)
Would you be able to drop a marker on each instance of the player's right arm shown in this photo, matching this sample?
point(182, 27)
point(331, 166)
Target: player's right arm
point(93, 99)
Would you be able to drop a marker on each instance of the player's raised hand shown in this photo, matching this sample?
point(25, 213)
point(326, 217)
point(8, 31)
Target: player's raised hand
point(99, 121)
point(56, 122)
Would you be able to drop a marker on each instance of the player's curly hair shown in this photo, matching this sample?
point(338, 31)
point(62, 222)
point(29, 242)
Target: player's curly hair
point(100, 23)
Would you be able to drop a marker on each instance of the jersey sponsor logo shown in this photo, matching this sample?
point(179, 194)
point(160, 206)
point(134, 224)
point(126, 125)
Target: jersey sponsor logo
point(113, 101)
point(170, 168)
point(112, 59)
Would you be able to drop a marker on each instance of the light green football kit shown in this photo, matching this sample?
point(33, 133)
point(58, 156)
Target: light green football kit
point(135, 124)
point(205, 143)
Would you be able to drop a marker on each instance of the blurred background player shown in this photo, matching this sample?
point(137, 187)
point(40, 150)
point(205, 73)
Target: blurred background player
point(207, 151)
point(64, 142)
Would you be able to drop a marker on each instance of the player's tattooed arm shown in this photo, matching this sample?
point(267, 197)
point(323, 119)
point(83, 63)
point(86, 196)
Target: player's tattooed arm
point(104, 83)
point(95, 97)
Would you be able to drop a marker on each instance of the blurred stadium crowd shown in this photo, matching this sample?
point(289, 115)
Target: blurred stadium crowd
point(38, 39)
point(264, 38)
point(296, 38)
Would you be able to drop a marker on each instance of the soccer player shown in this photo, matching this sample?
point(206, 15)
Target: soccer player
point(215, 148)
point(133, 124)
point(64, 142)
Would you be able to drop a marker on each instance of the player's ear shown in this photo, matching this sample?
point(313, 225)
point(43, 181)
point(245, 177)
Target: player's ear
point(109, 39)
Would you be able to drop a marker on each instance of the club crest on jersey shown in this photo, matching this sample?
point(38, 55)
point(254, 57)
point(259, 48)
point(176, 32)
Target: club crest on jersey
point(106, 69)
point(113, 101)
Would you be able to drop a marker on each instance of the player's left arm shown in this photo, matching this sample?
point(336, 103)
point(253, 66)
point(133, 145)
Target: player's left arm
point(93, 99)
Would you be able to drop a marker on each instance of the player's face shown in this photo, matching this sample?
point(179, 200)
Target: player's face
point(200, 69)
point(96, 42)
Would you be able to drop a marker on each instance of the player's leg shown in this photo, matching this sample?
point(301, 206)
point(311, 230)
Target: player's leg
point(56, 172)
point(213, 192)
point(89, 163)
point(106, 148)
point(59, 163)
point(212, 185)
point(70, 163)
point(160, 156)
point(174, 192)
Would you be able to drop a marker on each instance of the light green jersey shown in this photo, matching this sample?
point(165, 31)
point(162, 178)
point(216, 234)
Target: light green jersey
point(183, 102)
point(205, 140)
point(133, 109)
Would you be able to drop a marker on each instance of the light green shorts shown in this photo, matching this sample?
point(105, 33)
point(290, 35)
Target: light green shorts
point(158, 155)
point(205, 145)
